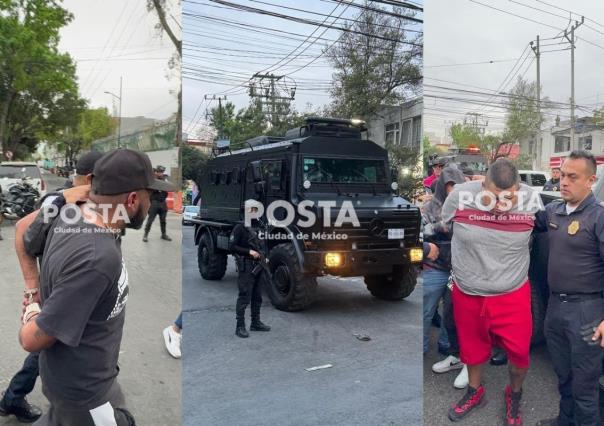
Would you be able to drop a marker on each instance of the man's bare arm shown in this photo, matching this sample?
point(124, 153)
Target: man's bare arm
point(29, 265)
point(33, 339)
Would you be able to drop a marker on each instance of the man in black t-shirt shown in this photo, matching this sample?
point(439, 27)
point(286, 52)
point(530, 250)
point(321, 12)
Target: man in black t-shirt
point(84, 289)
point(30, 238)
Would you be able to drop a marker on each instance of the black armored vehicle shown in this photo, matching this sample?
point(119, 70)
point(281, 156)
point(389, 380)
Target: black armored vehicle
point(324, 169)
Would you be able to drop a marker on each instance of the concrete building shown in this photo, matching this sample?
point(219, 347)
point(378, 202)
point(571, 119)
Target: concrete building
point(201, 145)
point(401, 124)
point(556, 141)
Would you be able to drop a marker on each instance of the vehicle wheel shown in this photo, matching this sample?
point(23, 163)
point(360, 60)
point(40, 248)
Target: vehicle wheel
point(212, 265)
point(395, 286)
point(538, 309)
point(288, 288)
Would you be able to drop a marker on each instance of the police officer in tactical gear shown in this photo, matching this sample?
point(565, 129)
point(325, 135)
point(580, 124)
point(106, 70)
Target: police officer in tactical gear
point(158, 207)
point(574, 323)
point(245, 244)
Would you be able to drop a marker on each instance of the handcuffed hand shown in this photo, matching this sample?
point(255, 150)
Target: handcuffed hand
point(77, 193)
point(32, 310)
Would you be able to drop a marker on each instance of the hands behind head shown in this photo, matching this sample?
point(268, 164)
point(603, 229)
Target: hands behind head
point(77, 193)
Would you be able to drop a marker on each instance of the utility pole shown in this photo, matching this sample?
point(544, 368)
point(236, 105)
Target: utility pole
point(270, 96)
point(220, 122)
point(119, 118)
point(571, 40)
point(537, 147)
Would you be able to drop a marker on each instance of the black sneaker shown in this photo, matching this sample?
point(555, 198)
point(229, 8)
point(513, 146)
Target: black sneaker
point(241, 331)
point(473, 398)
point(22, 410)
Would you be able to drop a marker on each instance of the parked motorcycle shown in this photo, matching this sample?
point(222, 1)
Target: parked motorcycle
point(19, 200)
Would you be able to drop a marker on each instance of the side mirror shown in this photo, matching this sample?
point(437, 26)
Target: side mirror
point(256, 170)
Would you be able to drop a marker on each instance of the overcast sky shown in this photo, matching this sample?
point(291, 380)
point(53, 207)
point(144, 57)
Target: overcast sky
point(462, 31)
point(224, 47)
point(113, 38)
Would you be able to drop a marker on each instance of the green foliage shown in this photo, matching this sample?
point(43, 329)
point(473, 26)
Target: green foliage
point(372, 65)
point(464, 136)
point(34, 77)
point(250, 122)
point(193, 163)
point(523, 119)
point(429, 151)
point(408, 163)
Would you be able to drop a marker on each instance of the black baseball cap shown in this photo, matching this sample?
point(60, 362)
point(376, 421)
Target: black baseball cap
point(85, 164)
point(125, 170)
point(160, 169)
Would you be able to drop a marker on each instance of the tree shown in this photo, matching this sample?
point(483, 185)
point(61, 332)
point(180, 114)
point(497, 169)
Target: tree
point(34, 76)
point(193, 164)
point(92, 124)
point(464, 135)
point(374, 64)
point(163, 11)
point(523, 117)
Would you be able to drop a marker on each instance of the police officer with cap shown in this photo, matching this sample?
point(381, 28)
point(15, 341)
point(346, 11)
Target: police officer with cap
point(574, 323)
point(158, 207)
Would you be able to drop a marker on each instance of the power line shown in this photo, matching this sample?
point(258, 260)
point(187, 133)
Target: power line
point(271, 67)
point(304, 21)
point(516, 15)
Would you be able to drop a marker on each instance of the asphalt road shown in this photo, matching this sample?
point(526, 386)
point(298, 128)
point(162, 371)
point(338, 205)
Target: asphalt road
point(149, 376)
point(262, 380)
point(540, 393)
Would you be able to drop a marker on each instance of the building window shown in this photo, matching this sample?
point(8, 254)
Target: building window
point(585, 142)
point(417, 132)
point(562, 144)
point(407, 132)
point(393, 134)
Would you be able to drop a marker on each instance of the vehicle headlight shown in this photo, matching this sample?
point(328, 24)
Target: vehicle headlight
point(333, 260)
point(416, 254)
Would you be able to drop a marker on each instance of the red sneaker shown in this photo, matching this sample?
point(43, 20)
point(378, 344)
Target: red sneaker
point(513, 416)
point(472, 399)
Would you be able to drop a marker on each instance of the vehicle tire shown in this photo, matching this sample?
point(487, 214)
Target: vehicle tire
point(288, 288)
point(395, 286)
point(538, 309)
point(212, 265)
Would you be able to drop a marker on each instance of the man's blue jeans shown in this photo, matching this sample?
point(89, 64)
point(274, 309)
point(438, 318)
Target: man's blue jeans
point(434, 286)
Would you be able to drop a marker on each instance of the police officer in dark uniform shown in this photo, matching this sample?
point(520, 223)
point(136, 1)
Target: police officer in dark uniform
point(574, 323)
point(554, 183)
point(158, 207)
point(245, 244)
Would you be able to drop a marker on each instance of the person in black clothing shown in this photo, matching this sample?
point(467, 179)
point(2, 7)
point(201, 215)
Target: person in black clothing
point(158, 207)
point(554, 183)
point(249, 280)
point(33, 231)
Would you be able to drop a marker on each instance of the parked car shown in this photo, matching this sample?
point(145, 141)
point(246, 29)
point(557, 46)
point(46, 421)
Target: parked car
point(188, 213)
point(534, 178)
point(12, 172)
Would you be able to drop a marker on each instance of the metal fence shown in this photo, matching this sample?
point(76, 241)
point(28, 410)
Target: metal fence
point(155, 138)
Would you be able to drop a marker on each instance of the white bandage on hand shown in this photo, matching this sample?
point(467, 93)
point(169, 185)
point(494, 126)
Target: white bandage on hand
point(32, 310)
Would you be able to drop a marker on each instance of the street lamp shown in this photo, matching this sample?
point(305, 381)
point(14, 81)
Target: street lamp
point(119, 123)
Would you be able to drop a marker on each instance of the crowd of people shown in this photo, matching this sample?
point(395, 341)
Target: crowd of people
point(477, 237)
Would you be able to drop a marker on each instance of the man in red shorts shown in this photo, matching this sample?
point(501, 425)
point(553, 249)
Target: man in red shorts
point(492, 225)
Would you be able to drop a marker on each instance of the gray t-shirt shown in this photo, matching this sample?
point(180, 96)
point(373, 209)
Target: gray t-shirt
point(84, 289)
